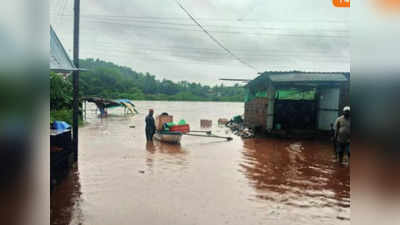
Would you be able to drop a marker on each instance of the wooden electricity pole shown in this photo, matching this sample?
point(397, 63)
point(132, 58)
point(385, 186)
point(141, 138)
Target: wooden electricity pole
point(75, 79)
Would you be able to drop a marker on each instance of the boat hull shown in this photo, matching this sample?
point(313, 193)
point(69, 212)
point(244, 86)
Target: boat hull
point(169, 137)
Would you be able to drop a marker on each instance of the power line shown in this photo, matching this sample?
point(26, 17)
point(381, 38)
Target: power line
point(274, 20)
point(325, 33)
point(206, 59)
point(62, 12)
point(184, 47)
point(213, 38)
point(276, 66)
point(215, 53)
point(243, 26)
point(223, 32)
point(58, 7)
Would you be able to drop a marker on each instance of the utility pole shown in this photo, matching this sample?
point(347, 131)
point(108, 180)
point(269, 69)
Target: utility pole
point(75, 80)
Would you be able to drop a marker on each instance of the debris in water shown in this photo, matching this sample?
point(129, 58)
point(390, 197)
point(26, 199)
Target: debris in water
point(238, 128)
point(222, 121)
point(205, 123)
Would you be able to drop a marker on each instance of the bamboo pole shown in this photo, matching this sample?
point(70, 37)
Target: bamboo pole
point(202, 131)
point(209, 136)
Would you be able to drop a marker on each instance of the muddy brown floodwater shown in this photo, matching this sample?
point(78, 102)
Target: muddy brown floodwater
point(122, 180)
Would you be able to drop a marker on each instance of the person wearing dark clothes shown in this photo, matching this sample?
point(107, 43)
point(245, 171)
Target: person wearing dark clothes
point(150, 125)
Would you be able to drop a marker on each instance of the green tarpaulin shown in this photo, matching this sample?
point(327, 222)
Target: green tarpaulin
point(283, 94)
point(295, 94)
point(258, 94)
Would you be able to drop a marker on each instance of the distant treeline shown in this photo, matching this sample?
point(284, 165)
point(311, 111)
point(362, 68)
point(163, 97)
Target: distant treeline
point(108, 80)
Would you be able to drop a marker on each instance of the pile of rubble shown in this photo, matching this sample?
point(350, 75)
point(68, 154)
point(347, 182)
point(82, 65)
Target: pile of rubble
point(238, 128)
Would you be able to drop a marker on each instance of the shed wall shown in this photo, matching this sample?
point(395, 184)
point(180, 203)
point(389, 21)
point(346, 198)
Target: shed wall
point(255, 114)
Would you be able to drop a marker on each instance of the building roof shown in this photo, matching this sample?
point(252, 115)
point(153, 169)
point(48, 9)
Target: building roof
point(307, 77)
point(298, 78)
point(59, 59)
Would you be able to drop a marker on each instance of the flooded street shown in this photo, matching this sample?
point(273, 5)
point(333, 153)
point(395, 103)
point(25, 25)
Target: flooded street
point(120, 179)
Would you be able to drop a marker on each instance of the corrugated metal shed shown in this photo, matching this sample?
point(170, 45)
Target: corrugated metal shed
point(59, 59)
point(297, 77)
point(271, 112)
point(307, 77)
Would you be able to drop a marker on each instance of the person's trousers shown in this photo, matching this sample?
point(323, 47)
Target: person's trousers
point(343, 148)
point(149, 135)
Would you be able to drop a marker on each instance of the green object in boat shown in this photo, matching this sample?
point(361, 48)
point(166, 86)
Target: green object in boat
point(237, 119)
point(182, 122)
point(170, 124)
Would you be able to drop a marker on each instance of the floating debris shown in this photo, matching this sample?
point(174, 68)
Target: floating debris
point(223, 121)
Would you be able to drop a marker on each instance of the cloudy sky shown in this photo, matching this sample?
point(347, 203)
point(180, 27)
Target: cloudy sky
point(157, 36)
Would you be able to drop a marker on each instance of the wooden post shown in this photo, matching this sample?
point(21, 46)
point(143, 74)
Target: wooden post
point(85, 110)
point(75, 80)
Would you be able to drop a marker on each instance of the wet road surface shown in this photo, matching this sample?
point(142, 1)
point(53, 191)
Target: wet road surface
point(121, 179)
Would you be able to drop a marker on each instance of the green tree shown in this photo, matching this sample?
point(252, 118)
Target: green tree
point(108, 80)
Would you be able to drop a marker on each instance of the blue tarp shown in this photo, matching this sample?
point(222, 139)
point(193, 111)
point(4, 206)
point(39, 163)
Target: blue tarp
point(126, 101)
point(114, 103)
point(60, 125)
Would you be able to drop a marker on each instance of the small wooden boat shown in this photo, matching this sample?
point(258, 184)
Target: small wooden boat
point(168, 136)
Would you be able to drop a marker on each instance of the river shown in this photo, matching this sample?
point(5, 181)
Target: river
point(122, 180)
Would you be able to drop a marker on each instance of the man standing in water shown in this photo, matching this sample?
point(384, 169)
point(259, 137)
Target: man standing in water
point(342, 134)
point(150, 125)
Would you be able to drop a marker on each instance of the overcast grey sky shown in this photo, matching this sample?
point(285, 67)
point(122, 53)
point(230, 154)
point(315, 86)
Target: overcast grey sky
point(157, 36)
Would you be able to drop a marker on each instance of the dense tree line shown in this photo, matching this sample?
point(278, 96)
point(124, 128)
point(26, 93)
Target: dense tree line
point(108, 80)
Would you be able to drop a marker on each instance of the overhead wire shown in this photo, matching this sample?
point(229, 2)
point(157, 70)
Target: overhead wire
point(57, 6)
point(185, 47)
point(184, 62)
point(216, 53)
point(218, 19)
point(207, 59)
point(260, 34)
point(62, 12)
point(242, 26)
point(214, 39)
point(175, 26)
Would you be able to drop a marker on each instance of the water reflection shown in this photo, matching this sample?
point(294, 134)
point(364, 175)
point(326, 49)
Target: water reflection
point(165, 155)
point(296, 174)
point(65, 201)
point(171, 149)
point(150, 147)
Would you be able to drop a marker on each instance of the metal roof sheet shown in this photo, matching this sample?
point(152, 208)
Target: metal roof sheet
point(307, 77)
point(59, 59)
